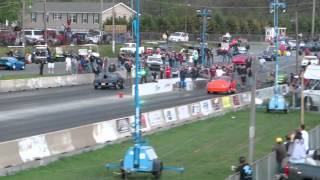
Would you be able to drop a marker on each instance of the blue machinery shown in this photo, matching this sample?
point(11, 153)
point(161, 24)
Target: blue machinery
point(140, 158)
point(205, 13)
point(277, 102)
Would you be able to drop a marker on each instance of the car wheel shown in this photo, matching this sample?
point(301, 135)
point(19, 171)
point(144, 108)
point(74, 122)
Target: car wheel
point(308, 104)
point(121, 86)
point(96, 87)
point(267, 109)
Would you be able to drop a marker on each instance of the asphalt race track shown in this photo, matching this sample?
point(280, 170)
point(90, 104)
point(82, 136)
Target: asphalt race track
point(35, 112)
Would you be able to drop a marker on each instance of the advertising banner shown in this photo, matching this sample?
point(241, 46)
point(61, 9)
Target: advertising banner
point(216, 104)
point(155, 118)
point(33, 147)
point(195, 109)
point(183, 112)
point(206, 107)
point(170, 115)
point(104, 132)
point(226, 102)
point(123, 125)
point(144, 123)
point(245, 98)
point(236, 100)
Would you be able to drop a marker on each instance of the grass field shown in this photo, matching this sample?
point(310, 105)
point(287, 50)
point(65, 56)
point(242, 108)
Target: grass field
point(206, 149)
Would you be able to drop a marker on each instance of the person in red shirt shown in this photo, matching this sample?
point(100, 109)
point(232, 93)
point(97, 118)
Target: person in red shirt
point(168, 72)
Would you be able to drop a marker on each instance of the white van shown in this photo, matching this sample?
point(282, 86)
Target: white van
point(34, 34)
point(179, 37)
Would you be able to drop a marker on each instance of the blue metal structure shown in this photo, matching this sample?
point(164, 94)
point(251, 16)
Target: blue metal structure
point(277, 102)
point(140, 158)
point(205, 13)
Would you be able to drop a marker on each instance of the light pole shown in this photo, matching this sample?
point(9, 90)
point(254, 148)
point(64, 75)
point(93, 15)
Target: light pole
point(113, 29)
point(45, 15)
point(205, 14)
point(252, 125)
point(274, 8)
point(186, 17)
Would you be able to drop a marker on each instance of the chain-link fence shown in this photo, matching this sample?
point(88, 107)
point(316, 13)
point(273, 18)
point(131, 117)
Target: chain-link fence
point(266, 167)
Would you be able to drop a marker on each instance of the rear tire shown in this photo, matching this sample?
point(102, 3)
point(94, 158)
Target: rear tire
point(267, 109)
point(157, 169)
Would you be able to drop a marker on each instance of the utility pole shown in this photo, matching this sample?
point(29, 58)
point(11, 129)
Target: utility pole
point(131, 4)
point(302, 99)
point(23, 24)
point(204, 13)
point(45, 22)
point(313, 18)
point(297, 38)
point(252, 126)
point(101, 20)
point(185, 18)
point(113, 29)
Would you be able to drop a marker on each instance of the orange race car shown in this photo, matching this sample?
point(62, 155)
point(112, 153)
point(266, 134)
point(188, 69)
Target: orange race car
point(222, 84)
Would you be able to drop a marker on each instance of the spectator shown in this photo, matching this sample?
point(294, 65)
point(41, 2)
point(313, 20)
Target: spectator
point(244, 169)
point(183, 75)
point(195, 55)
point(74, 65)
point(68, 64)
point(154, 75)
point(280, 150)
point(307, 52)
point(299, 152)
point(168, 72)
point(127, 66)
point(305, 136)
point(50, 66)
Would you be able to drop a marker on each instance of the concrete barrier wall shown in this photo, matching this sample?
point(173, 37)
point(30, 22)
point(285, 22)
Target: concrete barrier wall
point(45, 82)
point(16, 154)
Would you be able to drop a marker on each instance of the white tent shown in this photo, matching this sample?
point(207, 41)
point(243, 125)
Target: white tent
point(312, 72)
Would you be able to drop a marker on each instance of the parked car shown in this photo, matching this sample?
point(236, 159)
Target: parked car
point(106, 80)
point(312, 96)
point(268, 55)
point(59, 54)
point(130, 48)
point(312, 46)
point(34, 36)
point(240, 59)
point(223, 84)
point(179, 37)
point(95, 37)
point(308, 60)
point(40, 54)
point(154, 62)
point(11, 63)
point(18, 52)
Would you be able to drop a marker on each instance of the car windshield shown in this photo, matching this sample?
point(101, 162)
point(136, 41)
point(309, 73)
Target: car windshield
point(111, 76)
point(3, 60)
point(175, 34)
point(27, 33)
point(38, 33)
point(226, 78)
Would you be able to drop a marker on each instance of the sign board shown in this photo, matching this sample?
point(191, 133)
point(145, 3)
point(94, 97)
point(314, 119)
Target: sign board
point(118, 28)
point(183, 112)
point(170, 115)
point(216, 104)
point(206, 107)
point(195, 109)
point(155, 118)
point(236, 101)
point(123, 125)
point(226, 102)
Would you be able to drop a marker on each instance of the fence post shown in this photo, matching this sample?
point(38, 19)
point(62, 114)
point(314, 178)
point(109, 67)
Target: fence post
point(257, 171)
point(269, 166)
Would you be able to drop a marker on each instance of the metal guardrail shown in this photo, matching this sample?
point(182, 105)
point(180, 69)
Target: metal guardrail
point(266, 167)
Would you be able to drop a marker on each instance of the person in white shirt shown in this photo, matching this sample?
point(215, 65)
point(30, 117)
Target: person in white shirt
point(219, 72)
point(299, 153)
point(305, 136)
point(68, 64)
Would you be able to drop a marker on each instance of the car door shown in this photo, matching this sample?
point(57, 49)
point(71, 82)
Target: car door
point(314, 93)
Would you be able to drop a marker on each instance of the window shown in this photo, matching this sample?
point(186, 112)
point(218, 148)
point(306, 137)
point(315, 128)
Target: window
point(84, 18)
point(73, 17)
point(57, 16)
point(96, 19)
point(33, 17)
point(125, 17)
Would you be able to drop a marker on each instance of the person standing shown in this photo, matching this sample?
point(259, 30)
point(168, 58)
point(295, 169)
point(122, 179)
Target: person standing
point(50, 66)
point(299, 152)
point(183, 75)
point(244, 169)
point(305, 136)
point(195, 57)
point(68, 64)
point(280, 150)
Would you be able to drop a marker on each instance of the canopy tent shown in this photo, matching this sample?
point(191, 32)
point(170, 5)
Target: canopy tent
point(312, 72)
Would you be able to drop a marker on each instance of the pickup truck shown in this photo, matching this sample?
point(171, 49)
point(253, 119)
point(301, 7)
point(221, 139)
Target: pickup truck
point(310, 170)
point(131, 48)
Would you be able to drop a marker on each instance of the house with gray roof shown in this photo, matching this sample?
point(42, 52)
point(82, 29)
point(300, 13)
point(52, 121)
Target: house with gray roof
point(83, 15)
